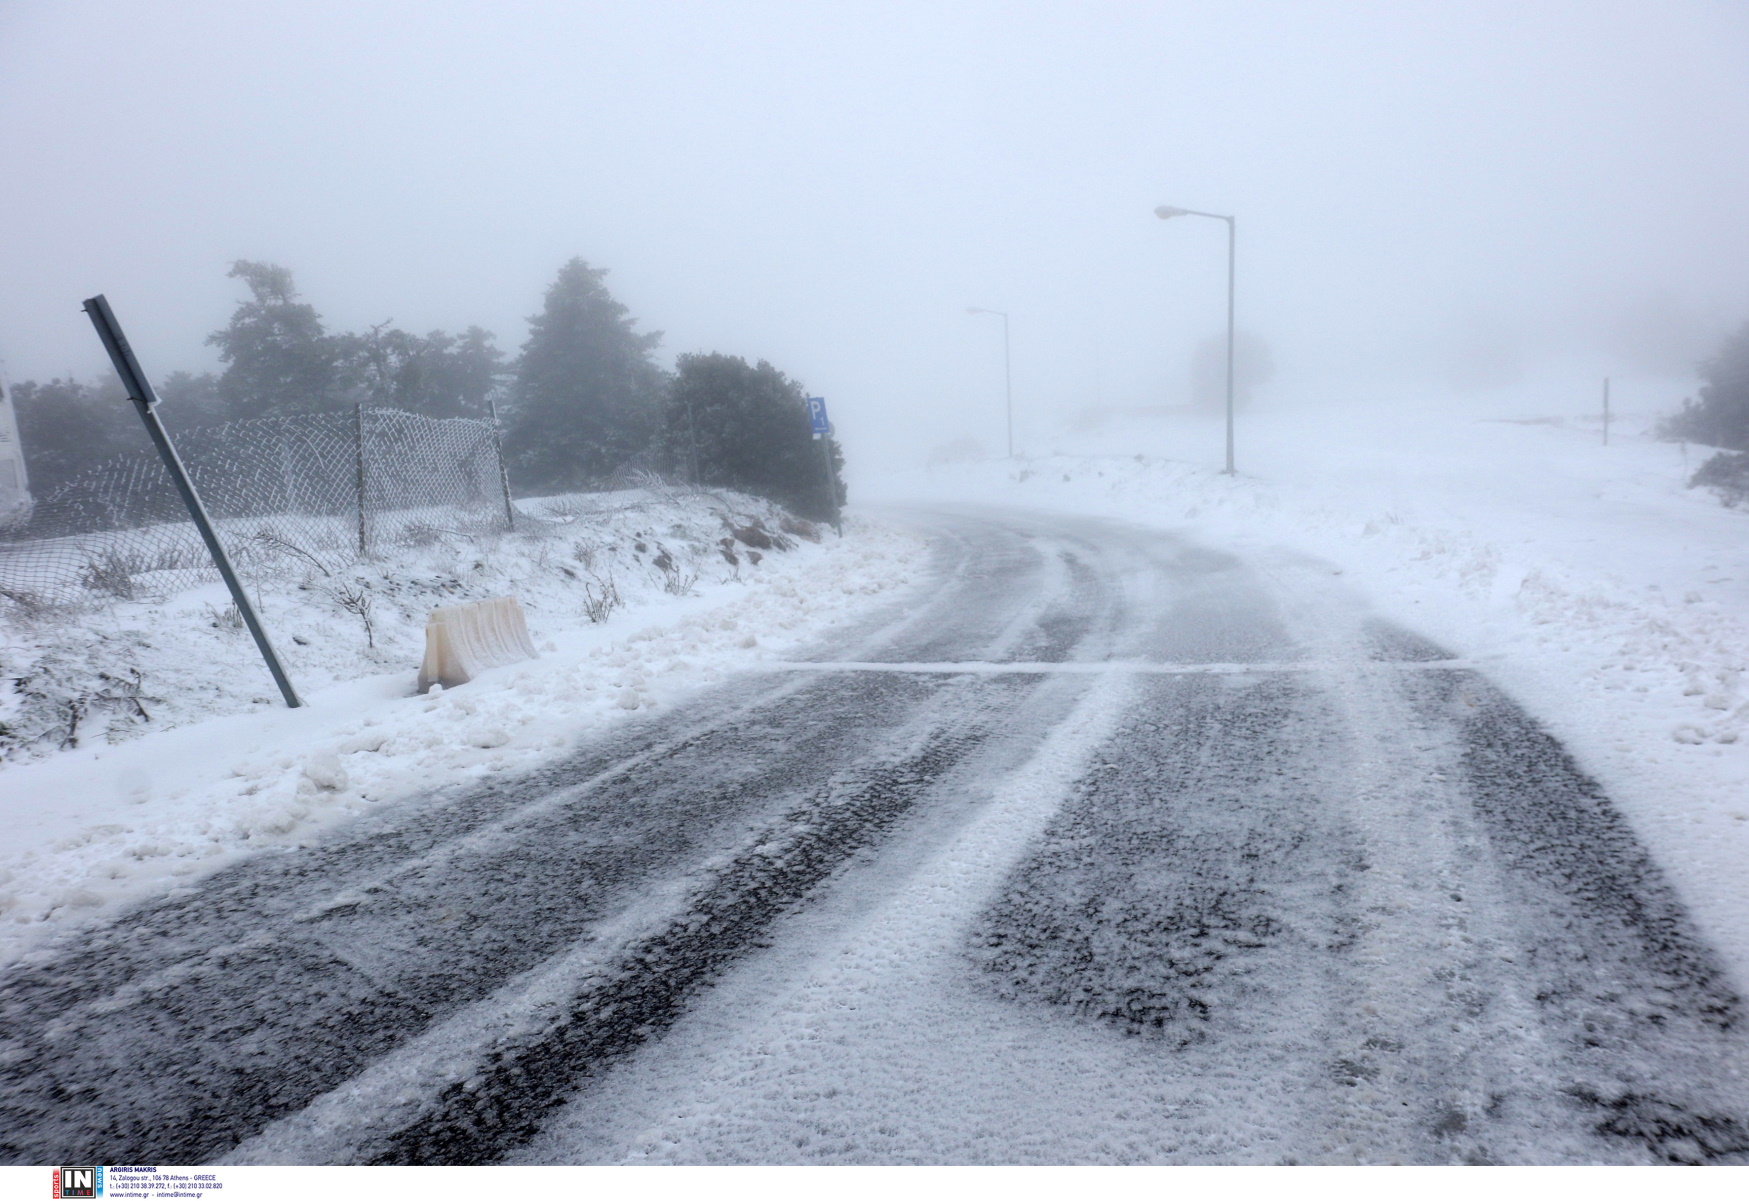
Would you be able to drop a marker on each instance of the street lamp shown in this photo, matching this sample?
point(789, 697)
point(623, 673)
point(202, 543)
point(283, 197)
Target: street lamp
point(1007, 371)
point(1166, 212)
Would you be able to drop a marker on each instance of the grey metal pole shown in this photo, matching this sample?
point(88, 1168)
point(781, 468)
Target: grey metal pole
point(358, 465)
point(503, 471)
point(825, 441)
point(1166, 212)
point(1232, 254)
point(1008, 383)
point(139, 391)
point(1606, 410)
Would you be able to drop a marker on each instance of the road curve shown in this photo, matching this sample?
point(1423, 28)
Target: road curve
point(1102, 847)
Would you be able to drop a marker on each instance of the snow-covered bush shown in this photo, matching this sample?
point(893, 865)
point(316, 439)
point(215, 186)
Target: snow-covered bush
point(1721, 416)
point(1726, 473)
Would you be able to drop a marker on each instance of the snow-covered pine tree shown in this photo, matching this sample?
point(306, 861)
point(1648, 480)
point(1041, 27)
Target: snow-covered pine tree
point(278, 359)
point(586, 394)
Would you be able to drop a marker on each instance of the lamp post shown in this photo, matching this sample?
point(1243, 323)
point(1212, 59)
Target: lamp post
point(1007, 371)
point(1166, 212)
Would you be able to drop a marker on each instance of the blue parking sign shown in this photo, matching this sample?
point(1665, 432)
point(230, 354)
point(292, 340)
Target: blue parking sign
point(817, 414)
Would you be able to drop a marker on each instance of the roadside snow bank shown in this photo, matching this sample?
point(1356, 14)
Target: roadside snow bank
point(222, 769)
point(1589, 580)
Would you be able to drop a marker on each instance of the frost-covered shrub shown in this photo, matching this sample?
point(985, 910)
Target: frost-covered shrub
point(1726, 473)
point(731, 425)
point(56, 699)
point(110, 574)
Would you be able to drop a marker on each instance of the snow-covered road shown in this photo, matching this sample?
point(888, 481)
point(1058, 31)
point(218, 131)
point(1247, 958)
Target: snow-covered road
point(1103, 847)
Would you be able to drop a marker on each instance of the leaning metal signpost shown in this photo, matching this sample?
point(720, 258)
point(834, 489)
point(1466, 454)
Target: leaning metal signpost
point(822, 431)
point(139, 391)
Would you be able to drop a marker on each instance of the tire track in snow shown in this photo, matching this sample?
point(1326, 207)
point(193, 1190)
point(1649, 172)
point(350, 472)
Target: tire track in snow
point(1483, 962)
point(207, 1017)
point(1294, 914)
point(1332, 914)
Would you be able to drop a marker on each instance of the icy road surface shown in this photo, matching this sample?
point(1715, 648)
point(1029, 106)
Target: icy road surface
point(1111, 849)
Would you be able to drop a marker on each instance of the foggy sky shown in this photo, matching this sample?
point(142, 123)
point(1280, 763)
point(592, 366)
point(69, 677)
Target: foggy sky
point(1420, 187)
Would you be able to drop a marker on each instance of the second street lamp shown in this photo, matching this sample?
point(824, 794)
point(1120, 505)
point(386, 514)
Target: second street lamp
point(1007, 371)
point(1166, 212)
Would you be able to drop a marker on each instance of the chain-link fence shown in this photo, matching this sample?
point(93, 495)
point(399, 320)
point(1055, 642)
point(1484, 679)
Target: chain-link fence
point(320, 489)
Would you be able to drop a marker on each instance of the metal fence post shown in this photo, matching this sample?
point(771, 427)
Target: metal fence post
point(358, 447)
point(831, 481)
point(503, 471)
point(139, 391)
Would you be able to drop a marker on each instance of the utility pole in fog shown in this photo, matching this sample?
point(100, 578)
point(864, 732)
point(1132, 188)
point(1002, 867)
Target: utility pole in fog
point(1166, 212)
point(1007, 371)
point(1606, 410)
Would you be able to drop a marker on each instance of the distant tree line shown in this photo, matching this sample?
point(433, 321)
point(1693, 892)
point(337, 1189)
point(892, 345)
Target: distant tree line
point(583, 404)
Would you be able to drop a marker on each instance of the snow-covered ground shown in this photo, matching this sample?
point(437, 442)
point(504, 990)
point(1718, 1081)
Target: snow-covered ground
point(142, 807)
point(1588, 580)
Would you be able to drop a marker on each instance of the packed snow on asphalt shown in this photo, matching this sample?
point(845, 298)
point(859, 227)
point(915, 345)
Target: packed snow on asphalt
point(143, 808)
point(1378, 804)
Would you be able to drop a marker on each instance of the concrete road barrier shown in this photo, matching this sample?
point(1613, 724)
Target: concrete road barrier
point(461, 641)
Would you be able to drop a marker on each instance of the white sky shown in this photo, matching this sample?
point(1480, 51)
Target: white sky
point(829, 185)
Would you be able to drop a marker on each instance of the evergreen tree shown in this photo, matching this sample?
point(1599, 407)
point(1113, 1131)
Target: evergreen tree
point(462, 372)
point(380, 367)
point(277, 357)
point(66, 427)
point(190, 400)
point(586, 393)
point(733, 426)
point(439, 375)
point(1721, 416)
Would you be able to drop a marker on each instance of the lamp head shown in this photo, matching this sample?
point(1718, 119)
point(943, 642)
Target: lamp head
point(1166, 210)
point(972, 312)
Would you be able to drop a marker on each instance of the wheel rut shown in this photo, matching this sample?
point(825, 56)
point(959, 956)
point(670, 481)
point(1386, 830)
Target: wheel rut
point(1341, 890)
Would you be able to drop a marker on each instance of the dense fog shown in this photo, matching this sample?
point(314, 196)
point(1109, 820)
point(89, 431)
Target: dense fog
point(515, 726)
point(1431, 198)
